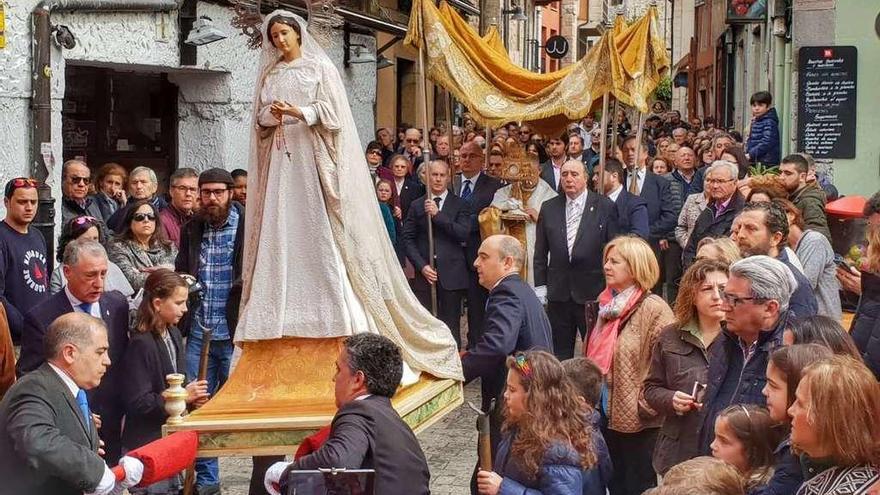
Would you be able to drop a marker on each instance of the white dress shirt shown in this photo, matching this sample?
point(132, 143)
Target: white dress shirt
point(613, 195)
point(640, 180)
point(442, 197)
point(71, 385)
point(95, 309)
point(473, 180)
point(574, 210)
point(398, 183)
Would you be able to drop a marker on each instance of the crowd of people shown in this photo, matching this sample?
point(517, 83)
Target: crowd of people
point(668, 313)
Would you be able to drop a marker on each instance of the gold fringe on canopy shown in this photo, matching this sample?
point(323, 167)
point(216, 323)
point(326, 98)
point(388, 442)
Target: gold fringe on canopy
point(629, 62)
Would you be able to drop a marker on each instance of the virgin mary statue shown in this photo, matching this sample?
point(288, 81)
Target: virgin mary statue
point(318, 262)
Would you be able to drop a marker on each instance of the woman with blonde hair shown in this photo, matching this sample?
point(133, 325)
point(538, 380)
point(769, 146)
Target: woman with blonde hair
point(680, 362)
point(834, 424)
point(718, 248)
point(547, 444)
point(629, 321)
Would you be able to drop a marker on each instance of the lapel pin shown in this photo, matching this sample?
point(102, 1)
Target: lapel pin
point(591, 208)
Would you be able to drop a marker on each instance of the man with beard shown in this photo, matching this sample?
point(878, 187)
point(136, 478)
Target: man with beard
point(762, 229)
point(211, 249)
point(807, 196)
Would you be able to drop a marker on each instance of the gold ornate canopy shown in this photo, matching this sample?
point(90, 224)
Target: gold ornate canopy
point(628, 62)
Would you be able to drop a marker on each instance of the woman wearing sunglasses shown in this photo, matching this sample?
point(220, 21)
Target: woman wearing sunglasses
point(86, 228)
point(141, 247)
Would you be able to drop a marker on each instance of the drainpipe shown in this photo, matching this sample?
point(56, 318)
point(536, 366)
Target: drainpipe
point(41, 90)
point(787, 102)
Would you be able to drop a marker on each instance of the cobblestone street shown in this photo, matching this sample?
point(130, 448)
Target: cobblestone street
point(450, 447)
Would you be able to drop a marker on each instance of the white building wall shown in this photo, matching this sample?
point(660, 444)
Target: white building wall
point(215, 98)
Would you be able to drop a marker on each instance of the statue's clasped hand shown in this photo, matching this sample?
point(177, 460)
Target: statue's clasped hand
point(281, 108)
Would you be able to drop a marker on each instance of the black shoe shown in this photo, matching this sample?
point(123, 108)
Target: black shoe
point(208, 490)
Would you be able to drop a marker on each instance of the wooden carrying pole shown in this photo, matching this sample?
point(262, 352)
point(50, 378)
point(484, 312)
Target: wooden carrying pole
point(639, 130)
point(602, 144)
point(424, 90)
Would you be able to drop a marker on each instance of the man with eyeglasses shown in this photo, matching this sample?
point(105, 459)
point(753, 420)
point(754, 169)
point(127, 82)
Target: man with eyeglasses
point(762, 229)
point(412, 147)
point(24, 279)
point(211, 249)
point(75, 199)
point(725, 203)
point(184, 194)
point(756, 306)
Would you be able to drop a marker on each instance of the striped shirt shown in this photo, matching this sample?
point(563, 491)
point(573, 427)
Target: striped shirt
point(216, 275)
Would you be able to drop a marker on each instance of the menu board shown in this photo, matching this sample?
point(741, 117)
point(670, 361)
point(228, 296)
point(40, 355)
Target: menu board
point(826, 124)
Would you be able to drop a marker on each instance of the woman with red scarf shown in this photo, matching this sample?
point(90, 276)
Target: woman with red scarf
point(630, 320)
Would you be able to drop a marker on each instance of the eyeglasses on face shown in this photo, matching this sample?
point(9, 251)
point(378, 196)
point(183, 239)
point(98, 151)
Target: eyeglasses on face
point(185, 189)
point(207, 193)
point(80, 180)
point(718, 182)
point(735, 301)
point(140, 217)
point(374, 152)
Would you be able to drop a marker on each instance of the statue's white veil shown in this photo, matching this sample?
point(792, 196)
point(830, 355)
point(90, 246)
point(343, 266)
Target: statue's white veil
point(358, 229)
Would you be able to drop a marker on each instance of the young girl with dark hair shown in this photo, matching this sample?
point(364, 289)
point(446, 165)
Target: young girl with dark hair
point(547, 445)
point(154, 351)
point(784, 371)
point(745, 438)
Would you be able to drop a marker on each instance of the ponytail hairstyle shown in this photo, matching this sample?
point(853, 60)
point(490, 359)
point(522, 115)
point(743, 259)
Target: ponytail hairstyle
point(160, 284)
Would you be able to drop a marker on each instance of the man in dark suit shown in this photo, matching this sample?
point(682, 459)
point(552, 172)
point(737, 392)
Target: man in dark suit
point(450, 217)
point(571, 234)
point(49, 441)
point(366, 433)
point(725, 203)
point(652, 188)
point(632, 211)
point(477, 189)
point(515, 321)
point(85, 266)
point(551, 169)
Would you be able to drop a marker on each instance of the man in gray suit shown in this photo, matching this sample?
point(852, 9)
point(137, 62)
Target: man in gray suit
point(49, 441)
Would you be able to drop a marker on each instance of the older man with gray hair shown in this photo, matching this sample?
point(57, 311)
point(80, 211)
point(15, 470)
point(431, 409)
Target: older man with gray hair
point(756, 304)
point(85, 267)
point(142, 184)
point(49, 440)
point(75, 198)
point(725, 203)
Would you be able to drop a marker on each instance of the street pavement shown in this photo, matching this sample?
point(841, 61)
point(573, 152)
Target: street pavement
point(449, 445)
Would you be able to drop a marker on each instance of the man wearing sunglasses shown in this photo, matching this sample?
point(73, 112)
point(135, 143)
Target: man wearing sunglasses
point(75, 199)
point(23, 276)
point(756, 303)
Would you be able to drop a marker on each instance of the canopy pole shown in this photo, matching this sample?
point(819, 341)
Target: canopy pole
point(603, 149)
point(427, 162)
point(448, 108)
point(614, 124)
point(639, 139)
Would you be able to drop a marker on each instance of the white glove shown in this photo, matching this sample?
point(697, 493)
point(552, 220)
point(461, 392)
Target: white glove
point(541, 293)
point(134, 471)
point(272, 480)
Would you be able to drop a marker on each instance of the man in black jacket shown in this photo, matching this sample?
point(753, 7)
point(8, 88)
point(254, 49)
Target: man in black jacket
point(85, 265)
point(725, 203)
point(366, 433)
point(450, 217)
point(515, 321)
point(211, 249)
point(570, 236)
point(477, 189)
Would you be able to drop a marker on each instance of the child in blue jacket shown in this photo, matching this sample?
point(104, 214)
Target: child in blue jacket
point(763, 144)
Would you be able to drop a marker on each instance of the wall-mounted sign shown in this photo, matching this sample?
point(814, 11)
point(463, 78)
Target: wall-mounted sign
point(826, 123)
point(556, 47)
point(746, 11)
point(2, 24)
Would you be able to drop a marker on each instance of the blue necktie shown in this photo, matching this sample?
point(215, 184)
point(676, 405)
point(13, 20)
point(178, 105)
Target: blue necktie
point(466, 190)
point(86, 307)
point(83, 403)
